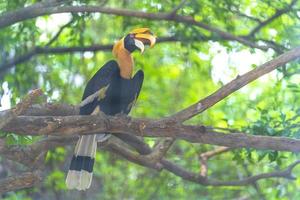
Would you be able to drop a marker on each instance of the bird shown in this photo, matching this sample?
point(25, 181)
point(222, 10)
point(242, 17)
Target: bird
point(117, 91)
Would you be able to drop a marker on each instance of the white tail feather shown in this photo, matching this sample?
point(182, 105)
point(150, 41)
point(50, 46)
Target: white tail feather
point(85, 146)
point(85, 180)
point(72, 179)
point(81, 180)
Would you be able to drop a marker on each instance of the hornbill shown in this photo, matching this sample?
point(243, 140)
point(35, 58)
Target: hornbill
point(118, 91)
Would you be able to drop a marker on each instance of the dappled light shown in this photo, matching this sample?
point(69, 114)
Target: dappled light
point(209, 111)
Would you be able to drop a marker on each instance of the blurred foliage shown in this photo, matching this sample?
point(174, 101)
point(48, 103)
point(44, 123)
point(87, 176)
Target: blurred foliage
point(177, 74)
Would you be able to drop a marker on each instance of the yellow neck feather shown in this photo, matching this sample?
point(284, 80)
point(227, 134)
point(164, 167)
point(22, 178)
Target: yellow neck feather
point(124, 59)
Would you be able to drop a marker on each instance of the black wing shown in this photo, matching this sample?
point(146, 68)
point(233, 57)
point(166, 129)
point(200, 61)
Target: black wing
point(100, 80)
point(136, 85)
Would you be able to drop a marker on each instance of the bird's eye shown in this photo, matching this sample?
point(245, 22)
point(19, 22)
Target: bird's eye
point(131, 35)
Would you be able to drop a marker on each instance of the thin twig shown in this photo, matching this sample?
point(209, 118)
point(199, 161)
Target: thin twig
point(178, 7)
point(204, 157)
point(160, 149)
point(59, 32)
point(59, 50)
point(239, 13)
point(277, 14)
point(183, 173)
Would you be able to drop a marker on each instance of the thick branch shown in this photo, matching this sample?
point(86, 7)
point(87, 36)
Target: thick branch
point(118, 148)
point(27, 101)
point(165, 128)
point(73, 125)
point(13, 17)
point(9, 18)
point(49, 109)
point(21, 181)
point(235, 85)
point(135, 142)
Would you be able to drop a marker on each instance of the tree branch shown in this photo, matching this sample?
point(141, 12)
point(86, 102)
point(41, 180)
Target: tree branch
point(286, 173)
point(277, 47)
point(59, 50)
point(135, 142)
point(178, 7)
point(74, 125)
point(277, 14)
point(117, 147)
point(179, 171)
point(160, 149)
point(20, 181)
point(71, 125)
point(59, 32)
point(235, 85)
point(66, 125)
point(207, 155)
point(255, 185)
point(10, 18)
point(50, 50)
point(239, 13)
point(27, 101)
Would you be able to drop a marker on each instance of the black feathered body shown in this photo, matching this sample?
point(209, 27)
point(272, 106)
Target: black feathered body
point(116, 95)
point(120, 93)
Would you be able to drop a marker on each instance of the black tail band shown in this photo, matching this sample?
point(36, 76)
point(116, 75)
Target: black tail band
point(79, 163)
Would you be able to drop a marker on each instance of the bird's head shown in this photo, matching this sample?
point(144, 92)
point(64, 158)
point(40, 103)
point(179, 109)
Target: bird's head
point(136, 39)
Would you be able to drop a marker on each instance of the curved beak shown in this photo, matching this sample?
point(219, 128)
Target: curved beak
point(149, 39)
point(139, 45)
point(142, 37)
